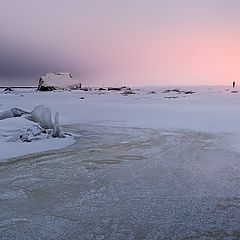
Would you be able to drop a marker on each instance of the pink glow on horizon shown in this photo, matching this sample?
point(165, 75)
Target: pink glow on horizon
point(185, 58)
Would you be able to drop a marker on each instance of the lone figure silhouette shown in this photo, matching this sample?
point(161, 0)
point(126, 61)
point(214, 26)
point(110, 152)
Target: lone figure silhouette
point(234, 84)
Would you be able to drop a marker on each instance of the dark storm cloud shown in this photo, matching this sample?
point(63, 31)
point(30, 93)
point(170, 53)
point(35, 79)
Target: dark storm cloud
point(21, 61)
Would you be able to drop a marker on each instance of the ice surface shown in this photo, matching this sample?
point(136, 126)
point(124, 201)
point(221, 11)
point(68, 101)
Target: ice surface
point(118, 183)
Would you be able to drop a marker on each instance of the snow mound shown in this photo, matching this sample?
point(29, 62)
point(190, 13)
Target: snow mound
point(58, 81)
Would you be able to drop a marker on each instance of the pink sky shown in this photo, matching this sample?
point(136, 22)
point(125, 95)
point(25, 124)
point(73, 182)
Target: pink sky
point(209, 56)
point(137, 42)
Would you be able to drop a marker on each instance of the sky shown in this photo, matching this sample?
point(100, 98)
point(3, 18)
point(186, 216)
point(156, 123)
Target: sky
point(134, 42)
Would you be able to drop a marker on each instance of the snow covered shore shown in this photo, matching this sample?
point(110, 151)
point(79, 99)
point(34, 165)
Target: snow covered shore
point(206, 109)
point(12, 144)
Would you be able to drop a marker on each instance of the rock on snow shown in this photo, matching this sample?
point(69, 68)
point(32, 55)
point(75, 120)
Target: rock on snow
point(55, 81)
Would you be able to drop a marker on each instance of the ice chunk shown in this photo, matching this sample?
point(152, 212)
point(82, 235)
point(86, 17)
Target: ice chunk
point(14, 112)
point(17, 112)
point(56, 128)
point(42, 115)
point(6, 114)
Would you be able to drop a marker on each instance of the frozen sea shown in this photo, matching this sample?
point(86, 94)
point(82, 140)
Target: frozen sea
point(164, 178)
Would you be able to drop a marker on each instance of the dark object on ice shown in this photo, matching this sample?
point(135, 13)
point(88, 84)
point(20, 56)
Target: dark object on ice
point(234, 84)
point(152, 92)
point(82, 98)
point(114, 89)
point(173, 90)
point(234, 91)
point(8, 90)
point(118, 88)
point(128, 92)
point(125, 88)
point(178, 91)
point(171, 97)
point(102, 89)
point(189, 92)
point(45, 89)
point(84, 89)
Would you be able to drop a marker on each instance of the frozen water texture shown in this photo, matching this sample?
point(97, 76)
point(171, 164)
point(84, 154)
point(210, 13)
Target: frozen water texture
point(118, 184)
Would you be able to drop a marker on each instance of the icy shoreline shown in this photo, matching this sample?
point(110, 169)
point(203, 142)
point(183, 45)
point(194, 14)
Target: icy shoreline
point(202, 109)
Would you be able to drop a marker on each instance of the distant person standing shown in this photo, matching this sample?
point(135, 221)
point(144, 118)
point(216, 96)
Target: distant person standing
point(234, 84)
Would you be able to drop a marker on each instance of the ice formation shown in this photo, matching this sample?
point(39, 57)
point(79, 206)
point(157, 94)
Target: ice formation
point(14, 112)
point(6, 114)
point(42, 115)
point(56, 128)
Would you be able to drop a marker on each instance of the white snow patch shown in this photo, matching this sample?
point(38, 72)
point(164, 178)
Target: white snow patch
point(14, 130)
